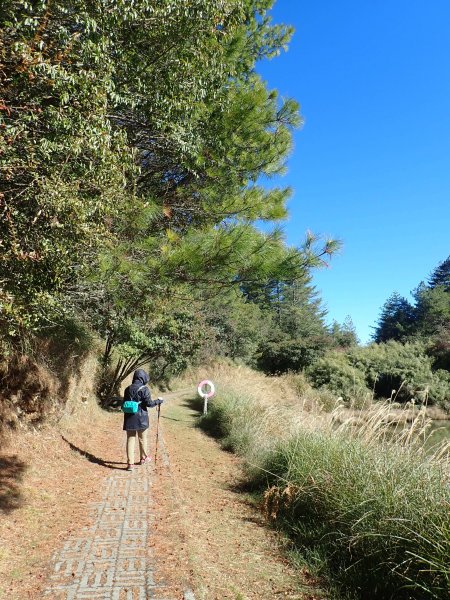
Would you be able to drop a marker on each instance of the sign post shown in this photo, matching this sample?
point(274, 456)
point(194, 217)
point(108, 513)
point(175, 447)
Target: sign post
point(206, 390)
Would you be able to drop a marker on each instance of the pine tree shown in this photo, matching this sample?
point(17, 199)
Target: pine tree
point(441, 275)
point(344, 336)
point(396, 320)
point(298, 334)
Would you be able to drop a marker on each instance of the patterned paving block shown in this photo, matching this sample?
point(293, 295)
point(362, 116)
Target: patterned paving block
point(128, 593)
point(98, 578)
point(106, 532)
point(136, 580)
point(71, 566)
point(94, 594)
point(133, 539)
point(132, 553)
point(131, 564)
point(150, 583)
point(103, 549)
point(135, 523)
point(110, 559)
point(77, 546)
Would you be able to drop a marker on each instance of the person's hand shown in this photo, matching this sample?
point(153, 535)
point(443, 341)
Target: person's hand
point(159, 400)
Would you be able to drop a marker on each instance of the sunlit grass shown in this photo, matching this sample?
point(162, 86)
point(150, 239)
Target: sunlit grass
point(348, 486)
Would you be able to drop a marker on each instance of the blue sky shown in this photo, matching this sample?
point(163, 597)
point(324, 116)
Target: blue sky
point(371, 166)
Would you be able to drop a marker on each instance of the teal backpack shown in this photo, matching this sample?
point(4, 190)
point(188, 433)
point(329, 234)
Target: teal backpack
point(130, 407)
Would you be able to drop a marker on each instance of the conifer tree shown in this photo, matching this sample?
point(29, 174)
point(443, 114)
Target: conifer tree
point(441, 275)
point(344, 336)
point(396, 320)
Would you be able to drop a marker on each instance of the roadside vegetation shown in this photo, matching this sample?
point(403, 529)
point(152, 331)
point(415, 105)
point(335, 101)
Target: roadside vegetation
point(133, 145)
point(362, 501)
point(133, 141)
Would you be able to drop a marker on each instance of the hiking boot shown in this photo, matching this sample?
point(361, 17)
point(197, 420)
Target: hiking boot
point(144, 460)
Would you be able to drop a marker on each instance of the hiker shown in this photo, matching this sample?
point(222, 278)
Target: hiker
point(138, 422)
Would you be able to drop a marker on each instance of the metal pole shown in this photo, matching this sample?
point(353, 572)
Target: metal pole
point(157, 433)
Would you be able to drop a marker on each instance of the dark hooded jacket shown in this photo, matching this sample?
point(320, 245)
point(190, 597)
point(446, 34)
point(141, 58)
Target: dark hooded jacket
point(138, 421)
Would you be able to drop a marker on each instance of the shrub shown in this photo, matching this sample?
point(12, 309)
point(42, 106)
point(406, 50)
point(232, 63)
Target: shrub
point(334, 372)
point(287, 354)
point(401, 370)
point(309, 398)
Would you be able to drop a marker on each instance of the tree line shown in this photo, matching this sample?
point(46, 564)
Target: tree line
point(409, 358)
point(427, 319)
point(134, 138)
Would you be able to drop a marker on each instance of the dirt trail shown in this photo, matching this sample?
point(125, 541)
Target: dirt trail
point(177, 529)
point(229, 551)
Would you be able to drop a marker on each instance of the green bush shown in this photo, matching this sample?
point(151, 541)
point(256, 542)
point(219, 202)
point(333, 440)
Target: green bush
point(390, 370)
point(287, 354)
point(403, 371)
point(335, 373)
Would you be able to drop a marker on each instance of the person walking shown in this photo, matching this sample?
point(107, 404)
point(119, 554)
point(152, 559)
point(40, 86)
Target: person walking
point(138, 423)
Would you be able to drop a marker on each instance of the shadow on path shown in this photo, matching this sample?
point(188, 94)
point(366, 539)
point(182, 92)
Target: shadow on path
point(173, 419)
point(195, 404)
point(113, 404)
point(109, 464)
point(11, 474)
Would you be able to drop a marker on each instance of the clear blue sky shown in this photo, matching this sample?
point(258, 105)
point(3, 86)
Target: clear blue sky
point(371, 165)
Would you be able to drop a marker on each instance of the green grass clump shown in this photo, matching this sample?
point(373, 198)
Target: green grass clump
point(376, 512)
point(228, 419)
point(378, 515)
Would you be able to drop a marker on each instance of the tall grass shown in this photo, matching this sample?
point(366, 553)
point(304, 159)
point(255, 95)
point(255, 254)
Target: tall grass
point(372, 505)
point(379, 515)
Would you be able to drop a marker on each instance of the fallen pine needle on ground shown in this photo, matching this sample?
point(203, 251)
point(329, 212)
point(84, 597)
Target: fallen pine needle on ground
point(206, 535)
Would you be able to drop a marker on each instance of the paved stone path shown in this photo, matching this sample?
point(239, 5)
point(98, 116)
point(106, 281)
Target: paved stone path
point(112, 558)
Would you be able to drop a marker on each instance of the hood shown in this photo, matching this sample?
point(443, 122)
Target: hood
point(140, 376)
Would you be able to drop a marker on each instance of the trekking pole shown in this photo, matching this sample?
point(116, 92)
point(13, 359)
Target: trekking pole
point(157, 433)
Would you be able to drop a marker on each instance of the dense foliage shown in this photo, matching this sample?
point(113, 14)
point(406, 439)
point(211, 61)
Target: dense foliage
point(63, 165)
point(134, 139)
point(428, 318)
point(401, 372)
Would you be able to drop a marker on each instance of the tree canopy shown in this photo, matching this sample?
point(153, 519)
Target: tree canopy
point(427, 320)
point(135, 136)
point(396, 319)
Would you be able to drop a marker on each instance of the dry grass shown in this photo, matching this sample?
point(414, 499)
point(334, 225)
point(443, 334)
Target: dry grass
point(347, 484)
point(59, 478)
point(231, 554)
point(288, 404)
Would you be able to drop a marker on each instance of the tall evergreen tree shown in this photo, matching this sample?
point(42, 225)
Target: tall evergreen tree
point(441, 275)
point(432, 309)
point(344, 336)
point(298, 333)
point(396, 320)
